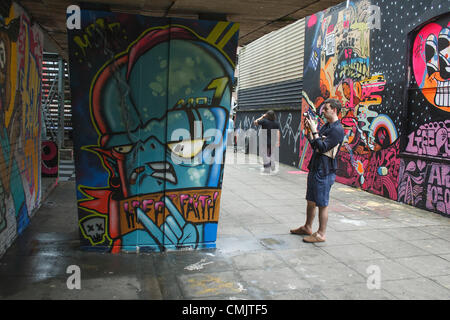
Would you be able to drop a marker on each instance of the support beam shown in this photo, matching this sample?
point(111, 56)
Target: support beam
point(60, 134)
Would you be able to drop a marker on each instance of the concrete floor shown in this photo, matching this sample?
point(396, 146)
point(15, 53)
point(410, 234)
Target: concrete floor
point(255, 258)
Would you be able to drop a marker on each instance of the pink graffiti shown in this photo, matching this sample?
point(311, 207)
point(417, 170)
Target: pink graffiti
point(438, 189)
point(385, 185)
point(410, 183)
point(418, 56)
point(312, 21)
point(425, 185)
point(49, 165)
point(347, 172)
point(371, 86)
point(432, 139)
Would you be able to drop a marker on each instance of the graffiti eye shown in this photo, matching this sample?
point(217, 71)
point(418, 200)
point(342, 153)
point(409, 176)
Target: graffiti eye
point(430, 50)
point(123, 149)
point(186, 148)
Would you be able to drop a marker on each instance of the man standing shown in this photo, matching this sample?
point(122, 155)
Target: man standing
point(322, 169)
point(270, 125)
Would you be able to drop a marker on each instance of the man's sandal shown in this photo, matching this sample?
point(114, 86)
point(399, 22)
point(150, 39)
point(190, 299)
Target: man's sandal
point(300, 231)
point(315, 237)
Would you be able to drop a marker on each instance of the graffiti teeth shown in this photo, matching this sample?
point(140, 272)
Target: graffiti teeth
point(165, 176)
point(163, 170)
point(158, 166)
point(442, 97)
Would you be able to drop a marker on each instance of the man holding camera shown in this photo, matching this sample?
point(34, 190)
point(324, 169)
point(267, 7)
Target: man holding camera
point(322, 168)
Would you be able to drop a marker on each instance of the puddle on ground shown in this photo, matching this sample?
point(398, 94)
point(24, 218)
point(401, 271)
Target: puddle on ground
point(270, 242)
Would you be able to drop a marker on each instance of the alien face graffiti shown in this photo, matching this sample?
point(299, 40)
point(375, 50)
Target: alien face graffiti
point(160, 110)
point(431, 63)
point(138, 123)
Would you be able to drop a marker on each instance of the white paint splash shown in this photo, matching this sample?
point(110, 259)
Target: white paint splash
point(241, 287)
point(354, 222)
point(198, 265)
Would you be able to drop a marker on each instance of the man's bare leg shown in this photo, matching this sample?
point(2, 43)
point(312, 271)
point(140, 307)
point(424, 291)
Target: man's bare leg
point(323, 220)
point(310, 214)
point(319, 236)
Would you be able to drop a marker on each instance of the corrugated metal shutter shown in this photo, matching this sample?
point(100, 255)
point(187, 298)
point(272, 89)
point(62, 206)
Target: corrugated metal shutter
point(50, 71)
point(273, 62)
point(285, 95)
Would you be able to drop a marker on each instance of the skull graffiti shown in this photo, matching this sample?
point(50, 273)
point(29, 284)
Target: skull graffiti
point(431, 63)
point(94, 229)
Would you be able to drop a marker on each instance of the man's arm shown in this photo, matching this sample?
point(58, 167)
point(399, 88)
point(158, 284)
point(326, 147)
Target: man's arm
point(312, 129)
point(256, 122)
point(327, 143)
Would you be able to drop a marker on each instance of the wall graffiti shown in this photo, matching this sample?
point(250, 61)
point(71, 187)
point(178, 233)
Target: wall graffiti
point(356, 52)
point(159, 98)
point(431, 63)
point(340, 63)
point(50, 159)
point(290, 131)
point(432, 139)
point(425, 184)
point(289, 128)
point(20, 124)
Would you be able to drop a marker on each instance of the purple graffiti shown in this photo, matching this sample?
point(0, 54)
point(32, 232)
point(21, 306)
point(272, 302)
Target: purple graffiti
point(425, 185)
point(431, 139)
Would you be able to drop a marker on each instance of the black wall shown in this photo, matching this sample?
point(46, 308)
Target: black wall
point(290, 131)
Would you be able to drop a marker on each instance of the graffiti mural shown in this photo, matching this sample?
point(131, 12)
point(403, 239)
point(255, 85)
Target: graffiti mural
point(340, 63)
point(358, 52)
point(431, 62)
point(426, 185)
point(149, 163)
point(424, 181)
point(20, 124)
point(50, 159)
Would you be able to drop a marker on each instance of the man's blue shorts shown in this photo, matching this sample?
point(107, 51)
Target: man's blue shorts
point(318, 187)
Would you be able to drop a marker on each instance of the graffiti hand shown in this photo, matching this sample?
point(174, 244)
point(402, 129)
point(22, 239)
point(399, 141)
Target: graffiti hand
point(151, 227)
point(174, 231)
point(179, 231)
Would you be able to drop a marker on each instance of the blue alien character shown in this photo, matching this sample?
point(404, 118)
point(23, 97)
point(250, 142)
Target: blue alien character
point(161, 111)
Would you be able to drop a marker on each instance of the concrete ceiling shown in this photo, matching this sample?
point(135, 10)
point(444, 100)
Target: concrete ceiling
point(256, 17)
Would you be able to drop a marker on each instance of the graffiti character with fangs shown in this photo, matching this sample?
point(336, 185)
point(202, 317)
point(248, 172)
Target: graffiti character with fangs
point(161, 111)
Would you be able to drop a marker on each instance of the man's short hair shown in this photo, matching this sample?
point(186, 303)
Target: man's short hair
point(335, 104)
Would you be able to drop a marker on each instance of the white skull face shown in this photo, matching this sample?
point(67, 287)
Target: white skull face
point(2, 55)
point(438, 65)
point(94, 228)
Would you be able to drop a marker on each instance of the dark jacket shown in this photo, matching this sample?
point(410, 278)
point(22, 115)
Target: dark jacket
point(269, 125)
point(330, 136)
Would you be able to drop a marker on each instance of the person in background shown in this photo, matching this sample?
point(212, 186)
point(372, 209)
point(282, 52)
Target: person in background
point(269, 124)
point(234, 133)
point(322, 169)
point(231, 130)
